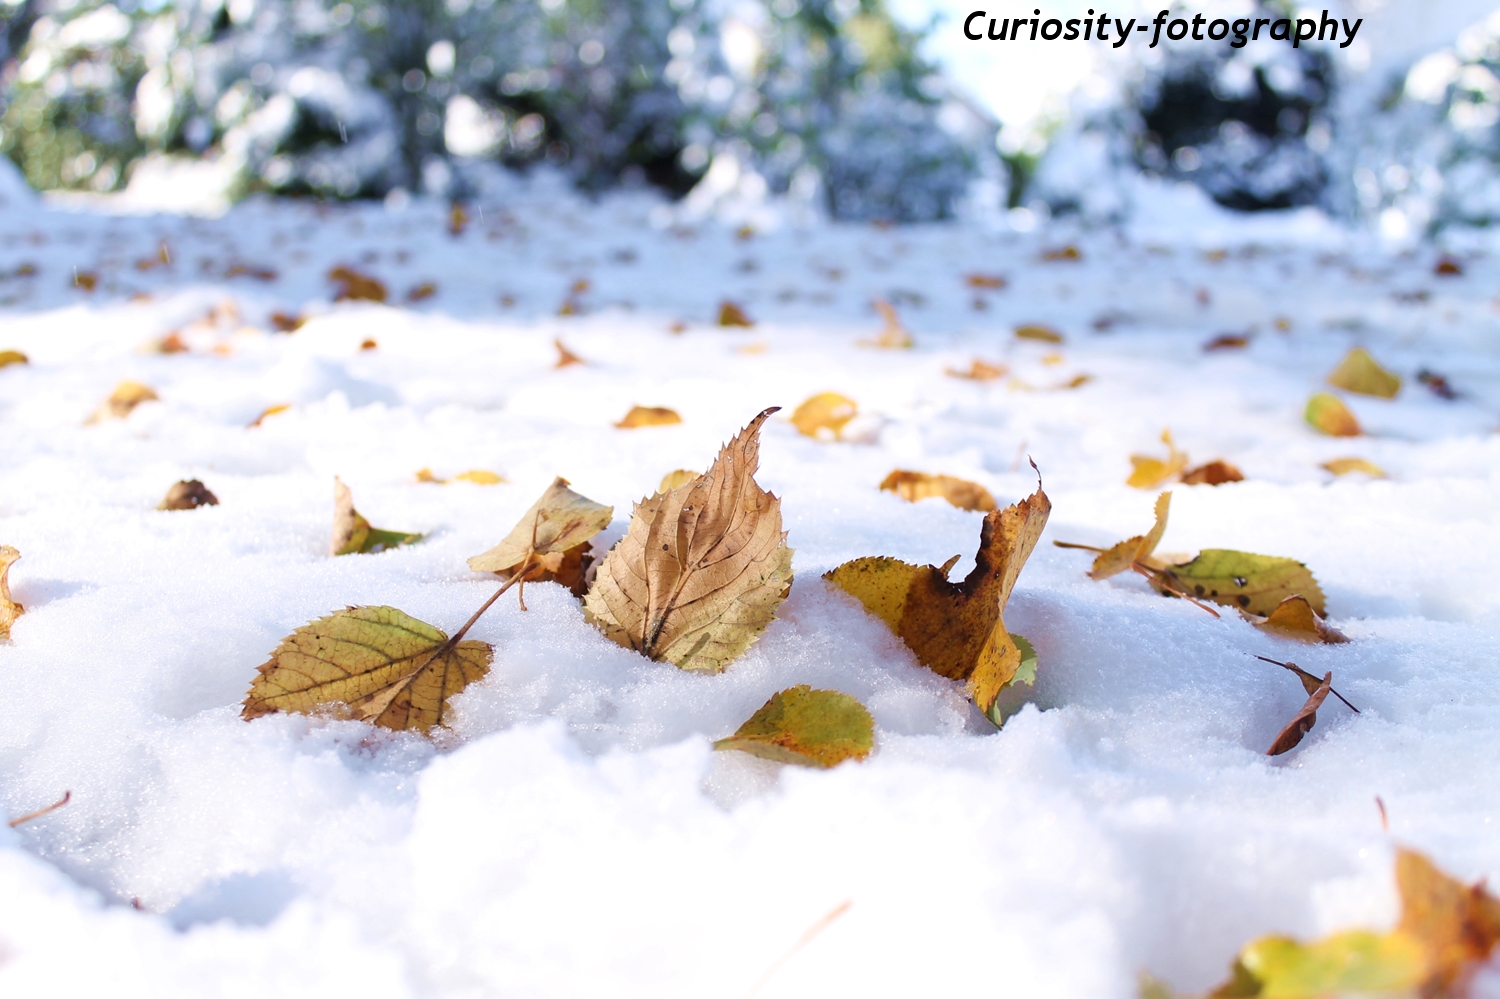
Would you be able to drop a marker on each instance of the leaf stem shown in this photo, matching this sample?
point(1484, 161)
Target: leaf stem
point(1070, 544)
point(67, 797)
point(1301, 672)
point(1160, 579)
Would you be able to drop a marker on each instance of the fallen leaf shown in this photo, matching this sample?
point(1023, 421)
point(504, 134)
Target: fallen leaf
point(957, 630)
point(1447, 267)
point(1304, 720)
point(1038, 332)
point(8, 357)
point(1063, 253)
point(824, 415)
point(812, 728)
point(421, 292)
point(373, 664)
point(673, 480)
point(893, 336)
point(189, 494)
point(980, 371)
point(283, 322)
point(1355, 962)
point(756, 347)
point(1256, 583)
point(565, 356)
point(9, 609)
point(1294, 618)
point(1228, 341)
point(1148, 473)
point(991, 282)
point(1359, 373)
point(1457, 924)
point(87, 280)
point(1436, 383)
point(1134, 551)
point(702, 569)
point(480, 477)
point(368, 345)
point(914, 486)
point(356, 287)
point(1327, 414)
point(649, 416)
point(731, 314)
point(126, 396)
point(1343, 466)
point(1310, 683)
point(1077, 381)
point(250, 270)
point(425, 475)
point(280, 407)
point(1214, 473)
point(352, 533)
point(458, 219)
point(550, 542)
point(172, 344)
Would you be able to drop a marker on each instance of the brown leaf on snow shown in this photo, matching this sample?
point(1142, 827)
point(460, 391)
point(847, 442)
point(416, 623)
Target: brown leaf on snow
point(356, 287)
point(1039, 333)
point(1228, 341)
point(9, 609)
point(1458, 924)
point(1294, 618)
point(1303, 722)
point(988, 282)
point(649, 416)
point(1068, 253)
point(702, 569)
point(1214, 473)
point(285, 322)
point(732, 314)
point(551, 540)
point(189, 494)
point(126, 396)
point(914, 486)
point(980, 371)
point(893, 336)
point(565, 357)
point(422, 292)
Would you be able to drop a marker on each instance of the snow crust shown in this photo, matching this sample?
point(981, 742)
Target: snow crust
point(574, 833)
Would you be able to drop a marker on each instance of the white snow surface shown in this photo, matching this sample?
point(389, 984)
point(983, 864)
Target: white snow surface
point(573, 833)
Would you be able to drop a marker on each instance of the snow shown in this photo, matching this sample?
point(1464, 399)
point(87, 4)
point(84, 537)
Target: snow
point(573, 832)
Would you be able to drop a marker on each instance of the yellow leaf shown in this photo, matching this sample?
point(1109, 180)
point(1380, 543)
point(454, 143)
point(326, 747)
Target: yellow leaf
point(480, 477)
point(422, 292)
point(1343, 466)
point(1038, 332)
point(188, 494)
point(126, 396)
point(1136, 550)
point(893, 336)
point(979, 371)
point(425, 475)
point(1359, 373)
point(1294, 618)
point(352, 533)
point(374, 664)
point(701, 571)
point(1327, 414)
point(1148, 473)
point(280, 407)
point(914, 486)
point(988, 282)
point(8, 357)
point(9, 609)
point(1457, 924)
point(551, 539)
point(812, 728)
point(648, 416)
point(1255, 583)
point(1069, 253)
point(673, 480)
point(824, 415)
point(957, 630)
point(731, 314)
point(1355, 961)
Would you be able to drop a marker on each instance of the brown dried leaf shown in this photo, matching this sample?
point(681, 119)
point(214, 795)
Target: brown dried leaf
point(980, 371)
point(824, 415)
point(1304, 720)
point(732, 314)
point(565, 356)
point(957, 630)
point(356, 287)
point(893, 336)
point(126, 396)
point(1148, 472)
point(1214, 473)
point(189, 494)
point(1458, 924)
point(422, 292)
point(1228, 341)
point(9, 609)
point(1039, 333)
point(989, 282)
point(649, 416)
point(702, 569)
point(914, 486)
point(551, 540)
point(352, 533)
point(1294, 618)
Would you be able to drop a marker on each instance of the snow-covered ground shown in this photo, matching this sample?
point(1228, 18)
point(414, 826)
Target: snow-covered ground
point(573, 834)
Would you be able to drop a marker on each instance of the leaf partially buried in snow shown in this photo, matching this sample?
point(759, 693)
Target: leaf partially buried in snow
point(1327, 414)
point(1343, 466)
point(551, 540)
point(374, 664)
point(8, 357)
point(1148, 472)
point(1255, 583)
point(1304, 720)
point(122, 401)
point(824, 415)
point(189, 494)
point(915, 486)
point(1214, 473)
point(702, 569)
point(957, 630)
point(9, 609)
point(649, 416)
point(1294, 618)
point(352, 533)
point(1359, 373)
point(813, 728)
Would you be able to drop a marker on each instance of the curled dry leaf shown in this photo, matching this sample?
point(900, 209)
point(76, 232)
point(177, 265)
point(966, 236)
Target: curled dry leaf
point(1039, 333)
point(1294, 618)
point(1148, 472)
point(1304, 720)
point(355, 287)
point(812, 728)
point(188, 494)
point(702, 569)
point(1310, 684)
point(1228, 341)
point(674, 479)
point(1359, 373)
point(9, 357)
point(1132, 552)
point(9, 609)
point(824, 415)
point(914, 486)
point(374, 664)
point(1254, 583)
point(551, 540)
point(352, 533)
point(123, 400)
point(957, 630)
point(732, 314)
point(987, 282)
point(1343, 466)
point(893, 336)
point(980, 371)
point(565, 357)
point(649, 416)
point(1214, 473)
point(1327, 414)
point(280, 407)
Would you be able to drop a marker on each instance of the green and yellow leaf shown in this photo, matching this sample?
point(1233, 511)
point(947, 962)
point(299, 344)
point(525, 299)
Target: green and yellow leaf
point(812, 728)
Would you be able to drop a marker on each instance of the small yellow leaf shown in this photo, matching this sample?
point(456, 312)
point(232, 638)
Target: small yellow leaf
point(480, 477)
point(979, 371)
point(551, 539)
point(1359, 373)
point(188, 494)
point(1352, 962)
point(1068, 253)
point(824, 415)
point(9, 609)
point(1294, 618)
point(1117, 558)
point(373, 664)
point(425, 475)
point(1343, 466)
point(422, 292)
point(126, 396)
point(987, 282)
point(1148, 472)
point(676, 479)
point(280, 407)
point(1038, 332)
point(731, 314)
point(1327, 414)
point(8, 357)
point(649, 416)
point(915, 486)
point(352, 533)
point(811, 728)
point(893, 336)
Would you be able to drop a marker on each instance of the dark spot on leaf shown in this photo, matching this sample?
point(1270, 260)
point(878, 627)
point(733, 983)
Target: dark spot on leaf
point(1244, 600)
point(1199, 589)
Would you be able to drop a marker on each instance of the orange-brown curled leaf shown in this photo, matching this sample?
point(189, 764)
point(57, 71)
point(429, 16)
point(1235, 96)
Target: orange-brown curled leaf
point(550, 540)
point(352, 533)
point(280, 407)
point(1039, 333)
point(1343, 466)
point(1119, 557)
point(374, 664)
point(649, 416)
point(123, 400)
point(1214, 473)
point(9, 357)
point(702, 569)
point(189, 494)
point(893, 335)
point(824, 415)
point(9, 609)
point(1361, 374)
point(914, 486)
point(355, 287)
point(1304, 720)
point(1327, 414)
point(1228, 341)
point(1294, 618)
point(811, 728)
point(1148, 472)
point(957, 630)
point(732, 314)
point(980, 371)
point(565, 357)
point(1458, 924)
